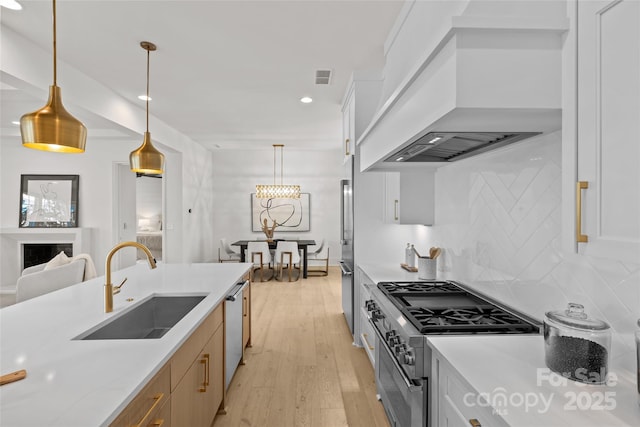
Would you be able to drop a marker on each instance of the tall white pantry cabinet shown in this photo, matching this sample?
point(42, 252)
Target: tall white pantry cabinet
point(602, 136)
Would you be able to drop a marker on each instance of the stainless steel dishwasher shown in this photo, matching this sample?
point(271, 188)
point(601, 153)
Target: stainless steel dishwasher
point(233, 330)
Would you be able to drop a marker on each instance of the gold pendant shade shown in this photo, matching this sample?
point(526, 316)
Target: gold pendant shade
point(146, 158)
point(52, 128)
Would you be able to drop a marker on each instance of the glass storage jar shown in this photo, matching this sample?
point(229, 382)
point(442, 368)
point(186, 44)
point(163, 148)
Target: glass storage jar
point(577, 346)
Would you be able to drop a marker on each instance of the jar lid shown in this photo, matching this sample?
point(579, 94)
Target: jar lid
point(575, 317)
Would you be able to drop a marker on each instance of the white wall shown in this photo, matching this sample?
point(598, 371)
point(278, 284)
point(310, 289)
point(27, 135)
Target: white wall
point(236, 173)
point(95, 168)
point(498, 218)
point(375, 240)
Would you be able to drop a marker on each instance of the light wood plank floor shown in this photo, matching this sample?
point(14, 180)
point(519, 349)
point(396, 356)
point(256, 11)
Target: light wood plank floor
point(302, 369)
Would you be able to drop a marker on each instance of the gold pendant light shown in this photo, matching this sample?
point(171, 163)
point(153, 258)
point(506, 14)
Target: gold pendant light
point(52, 128)
point(277, 191)
point(146, 158)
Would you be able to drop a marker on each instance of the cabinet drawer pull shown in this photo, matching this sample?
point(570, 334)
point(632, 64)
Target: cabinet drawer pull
point(158, 423)
point(395, 209)
point(208, 359)
point(203, 388)
point(245, 304)
point(346, 147)
point(475, 423)
point(580, 238)
point(157, 399)
point(367, 342)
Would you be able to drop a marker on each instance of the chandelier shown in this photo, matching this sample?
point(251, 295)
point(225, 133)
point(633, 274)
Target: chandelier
point(277, 191)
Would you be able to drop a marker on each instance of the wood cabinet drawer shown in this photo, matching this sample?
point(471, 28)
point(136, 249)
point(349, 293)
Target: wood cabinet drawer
point(163, 417)
point(148, 403)
point(197, 398)
point(190, 350)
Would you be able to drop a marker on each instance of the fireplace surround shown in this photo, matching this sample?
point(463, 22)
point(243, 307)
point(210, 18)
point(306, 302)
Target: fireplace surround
point(12, 241)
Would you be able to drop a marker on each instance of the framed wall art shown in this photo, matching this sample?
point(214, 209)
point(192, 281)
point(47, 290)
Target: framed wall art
point(289, 214)
point(49, 201)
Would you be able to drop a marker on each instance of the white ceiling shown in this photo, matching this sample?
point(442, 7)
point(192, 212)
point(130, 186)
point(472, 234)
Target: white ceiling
point(227, 74)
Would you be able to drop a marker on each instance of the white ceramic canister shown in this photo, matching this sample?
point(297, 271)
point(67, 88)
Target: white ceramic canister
point(427, 268)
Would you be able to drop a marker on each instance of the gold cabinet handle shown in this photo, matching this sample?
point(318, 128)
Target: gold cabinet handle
point(475, 423)
point(346, 147)
point(158, 423)
point(157, 399)
point(203, 388)
point(367, 342)
point(580, 238)
point(208, 359)
point(395, 209)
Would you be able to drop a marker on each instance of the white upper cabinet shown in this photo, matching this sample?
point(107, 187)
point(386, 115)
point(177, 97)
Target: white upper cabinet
point(409, 197)
point(348, 124)
point(607, 191)
point(359, 104)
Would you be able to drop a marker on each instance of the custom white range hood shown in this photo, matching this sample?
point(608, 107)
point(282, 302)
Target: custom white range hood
point(488, 82)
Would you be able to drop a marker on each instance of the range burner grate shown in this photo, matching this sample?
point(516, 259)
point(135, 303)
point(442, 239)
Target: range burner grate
point(402, 288)
point(476, 319)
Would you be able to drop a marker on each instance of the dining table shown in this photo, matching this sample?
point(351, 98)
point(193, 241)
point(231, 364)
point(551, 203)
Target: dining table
point(302, 244)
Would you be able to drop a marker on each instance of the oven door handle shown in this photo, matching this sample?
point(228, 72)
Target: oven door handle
point(407, 381)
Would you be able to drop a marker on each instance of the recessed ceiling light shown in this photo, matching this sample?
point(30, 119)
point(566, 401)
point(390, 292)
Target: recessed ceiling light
point(144, 98)
point(11, 4)
point(306, 100)
point(15, 122)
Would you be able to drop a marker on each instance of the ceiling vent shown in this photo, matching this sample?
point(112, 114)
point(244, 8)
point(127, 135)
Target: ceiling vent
point(323, 77)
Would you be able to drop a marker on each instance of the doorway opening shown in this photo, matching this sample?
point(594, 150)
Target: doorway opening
point(149, 218)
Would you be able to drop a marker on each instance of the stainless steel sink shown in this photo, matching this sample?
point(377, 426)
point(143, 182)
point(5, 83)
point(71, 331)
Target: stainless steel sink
point(148, 320)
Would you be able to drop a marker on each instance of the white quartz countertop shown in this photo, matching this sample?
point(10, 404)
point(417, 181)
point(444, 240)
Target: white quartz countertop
point(88, 383)
point(513, 366)
point(388, 273)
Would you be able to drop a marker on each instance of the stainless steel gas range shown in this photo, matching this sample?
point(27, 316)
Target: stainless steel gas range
point(403, 314)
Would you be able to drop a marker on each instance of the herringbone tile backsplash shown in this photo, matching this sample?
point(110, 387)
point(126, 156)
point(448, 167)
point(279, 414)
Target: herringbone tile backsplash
point(498, 218)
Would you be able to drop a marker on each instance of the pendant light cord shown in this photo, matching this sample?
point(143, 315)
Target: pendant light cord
point(148, 53)
point(55, 71)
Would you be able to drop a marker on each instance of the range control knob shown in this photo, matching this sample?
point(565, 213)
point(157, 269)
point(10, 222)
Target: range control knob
point(409, 358)
point(370, 304)
point(394, 340)
point(388, 335)
point(376, 314)
point(400, 349)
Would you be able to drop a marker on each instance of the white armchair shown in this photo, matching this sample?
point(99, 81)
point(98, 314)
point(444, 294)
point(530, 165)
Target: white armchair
point(36, 281)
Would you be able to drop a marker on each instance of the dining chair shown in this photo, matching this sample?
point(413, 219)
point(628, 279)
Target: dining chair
point(259, 254)
point(231, 254)
point(287, 253)
point(320, 254)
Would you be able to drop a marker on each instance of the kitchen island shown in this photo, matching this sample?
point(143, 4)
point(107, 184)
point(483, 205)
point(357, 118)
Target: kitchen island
point(73, 382)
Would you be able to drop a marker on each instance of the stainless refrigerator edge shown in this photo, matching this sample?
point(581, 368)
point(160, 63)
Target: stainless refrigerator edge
point(346, 240)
